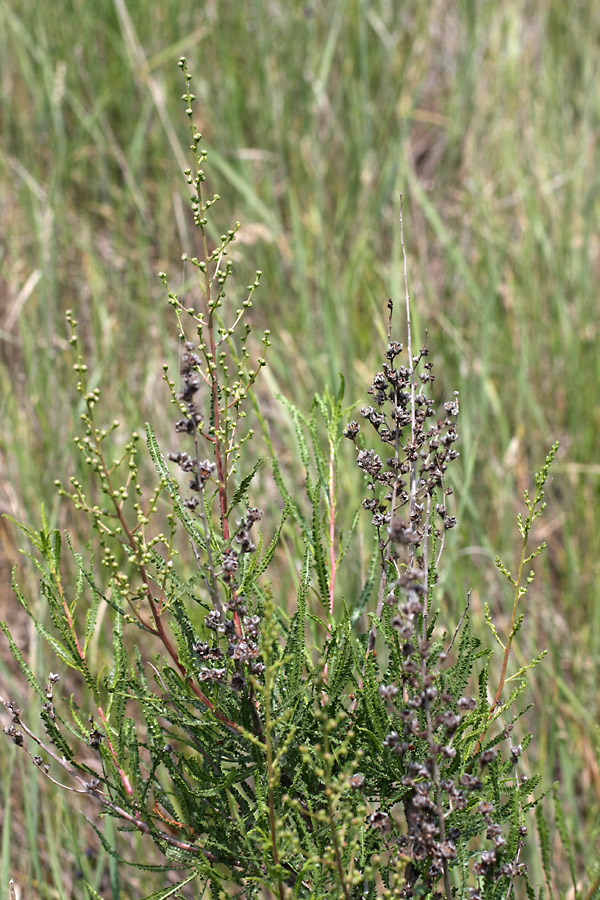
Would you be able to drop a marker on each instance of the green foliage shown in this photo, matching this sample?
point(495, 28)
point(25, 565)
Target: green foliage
point(336, 760)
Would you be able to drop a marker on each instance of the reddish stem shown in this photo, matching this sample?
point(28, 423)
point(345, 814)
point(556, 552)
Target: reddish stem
point(125, 780)
point(156, 613)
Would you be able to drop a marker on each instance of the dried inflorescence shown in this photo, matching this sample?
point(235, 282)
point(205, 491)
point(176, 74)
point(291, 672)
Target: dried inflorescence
point(422, 448)
point(410, 520)
point(11, 730)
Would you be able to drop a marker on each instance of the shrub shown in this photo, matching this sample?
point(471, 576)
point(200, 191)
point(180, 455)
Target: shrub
point(352, 748)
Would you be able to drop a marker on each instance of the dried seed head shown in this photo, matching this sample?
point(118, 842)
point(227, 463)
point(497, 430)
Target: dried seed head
point(403, 533)
point(357, 781)
point(380, 820)
point(488, 756)
point(95, 738)
point(387, 691)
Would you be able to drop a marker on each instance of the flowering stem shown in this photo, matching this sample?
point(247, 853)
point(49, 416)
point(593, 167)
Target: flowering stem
point(212, 366)
point(535, 508)
point(513, 619)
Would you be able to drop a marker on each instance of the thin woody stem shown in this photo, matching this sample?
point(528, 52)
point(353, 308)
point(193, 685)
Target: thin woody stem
point(221, 453)
point(413, 472)
point(86, 788)
point(386, 552)
point(221, 464)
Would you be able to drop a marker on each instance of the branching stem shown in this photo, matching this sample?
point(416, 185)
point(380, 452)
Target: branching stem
point(516, 597)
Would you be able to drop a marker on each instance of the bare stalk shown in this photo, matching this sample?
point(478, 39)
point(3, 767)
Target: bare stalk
point(413, 473)
point(385, 556)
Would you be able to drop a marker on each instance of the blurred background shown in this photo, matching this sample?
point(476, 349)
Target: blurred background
point(485, 116)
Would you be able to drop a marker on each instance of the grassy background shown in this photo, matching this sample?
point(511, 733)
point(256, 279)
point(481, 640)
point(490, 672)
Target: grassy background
point(486, 117)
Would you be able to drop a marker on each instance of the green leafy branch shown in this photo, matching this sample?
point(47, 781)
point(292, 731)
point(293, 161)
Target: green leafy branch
point(521, 582)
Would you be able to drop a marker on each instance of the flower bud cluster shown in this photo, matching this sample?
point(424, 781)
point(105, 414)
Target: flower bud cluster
point(230, 618)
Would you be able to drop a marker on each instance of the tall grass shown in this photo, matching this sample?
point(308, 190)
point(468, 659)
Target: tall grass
point(483, 115)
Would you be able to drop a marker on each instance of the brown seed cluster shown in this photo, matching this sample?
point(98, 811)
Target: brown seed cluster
point(405, 480)
point(422, 445)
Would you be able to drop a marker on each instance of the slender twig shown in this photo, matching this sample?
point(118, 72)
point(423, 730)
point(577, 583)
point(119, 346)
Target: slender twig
point(212, 367)
point(100, 798)
point(213, 585)
point(535, 507)
point(426, 567)
point(516, 597)
point(413, 473)
point(460, 623)
point(413, 487)
point(385, 556)
point(124, 779)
